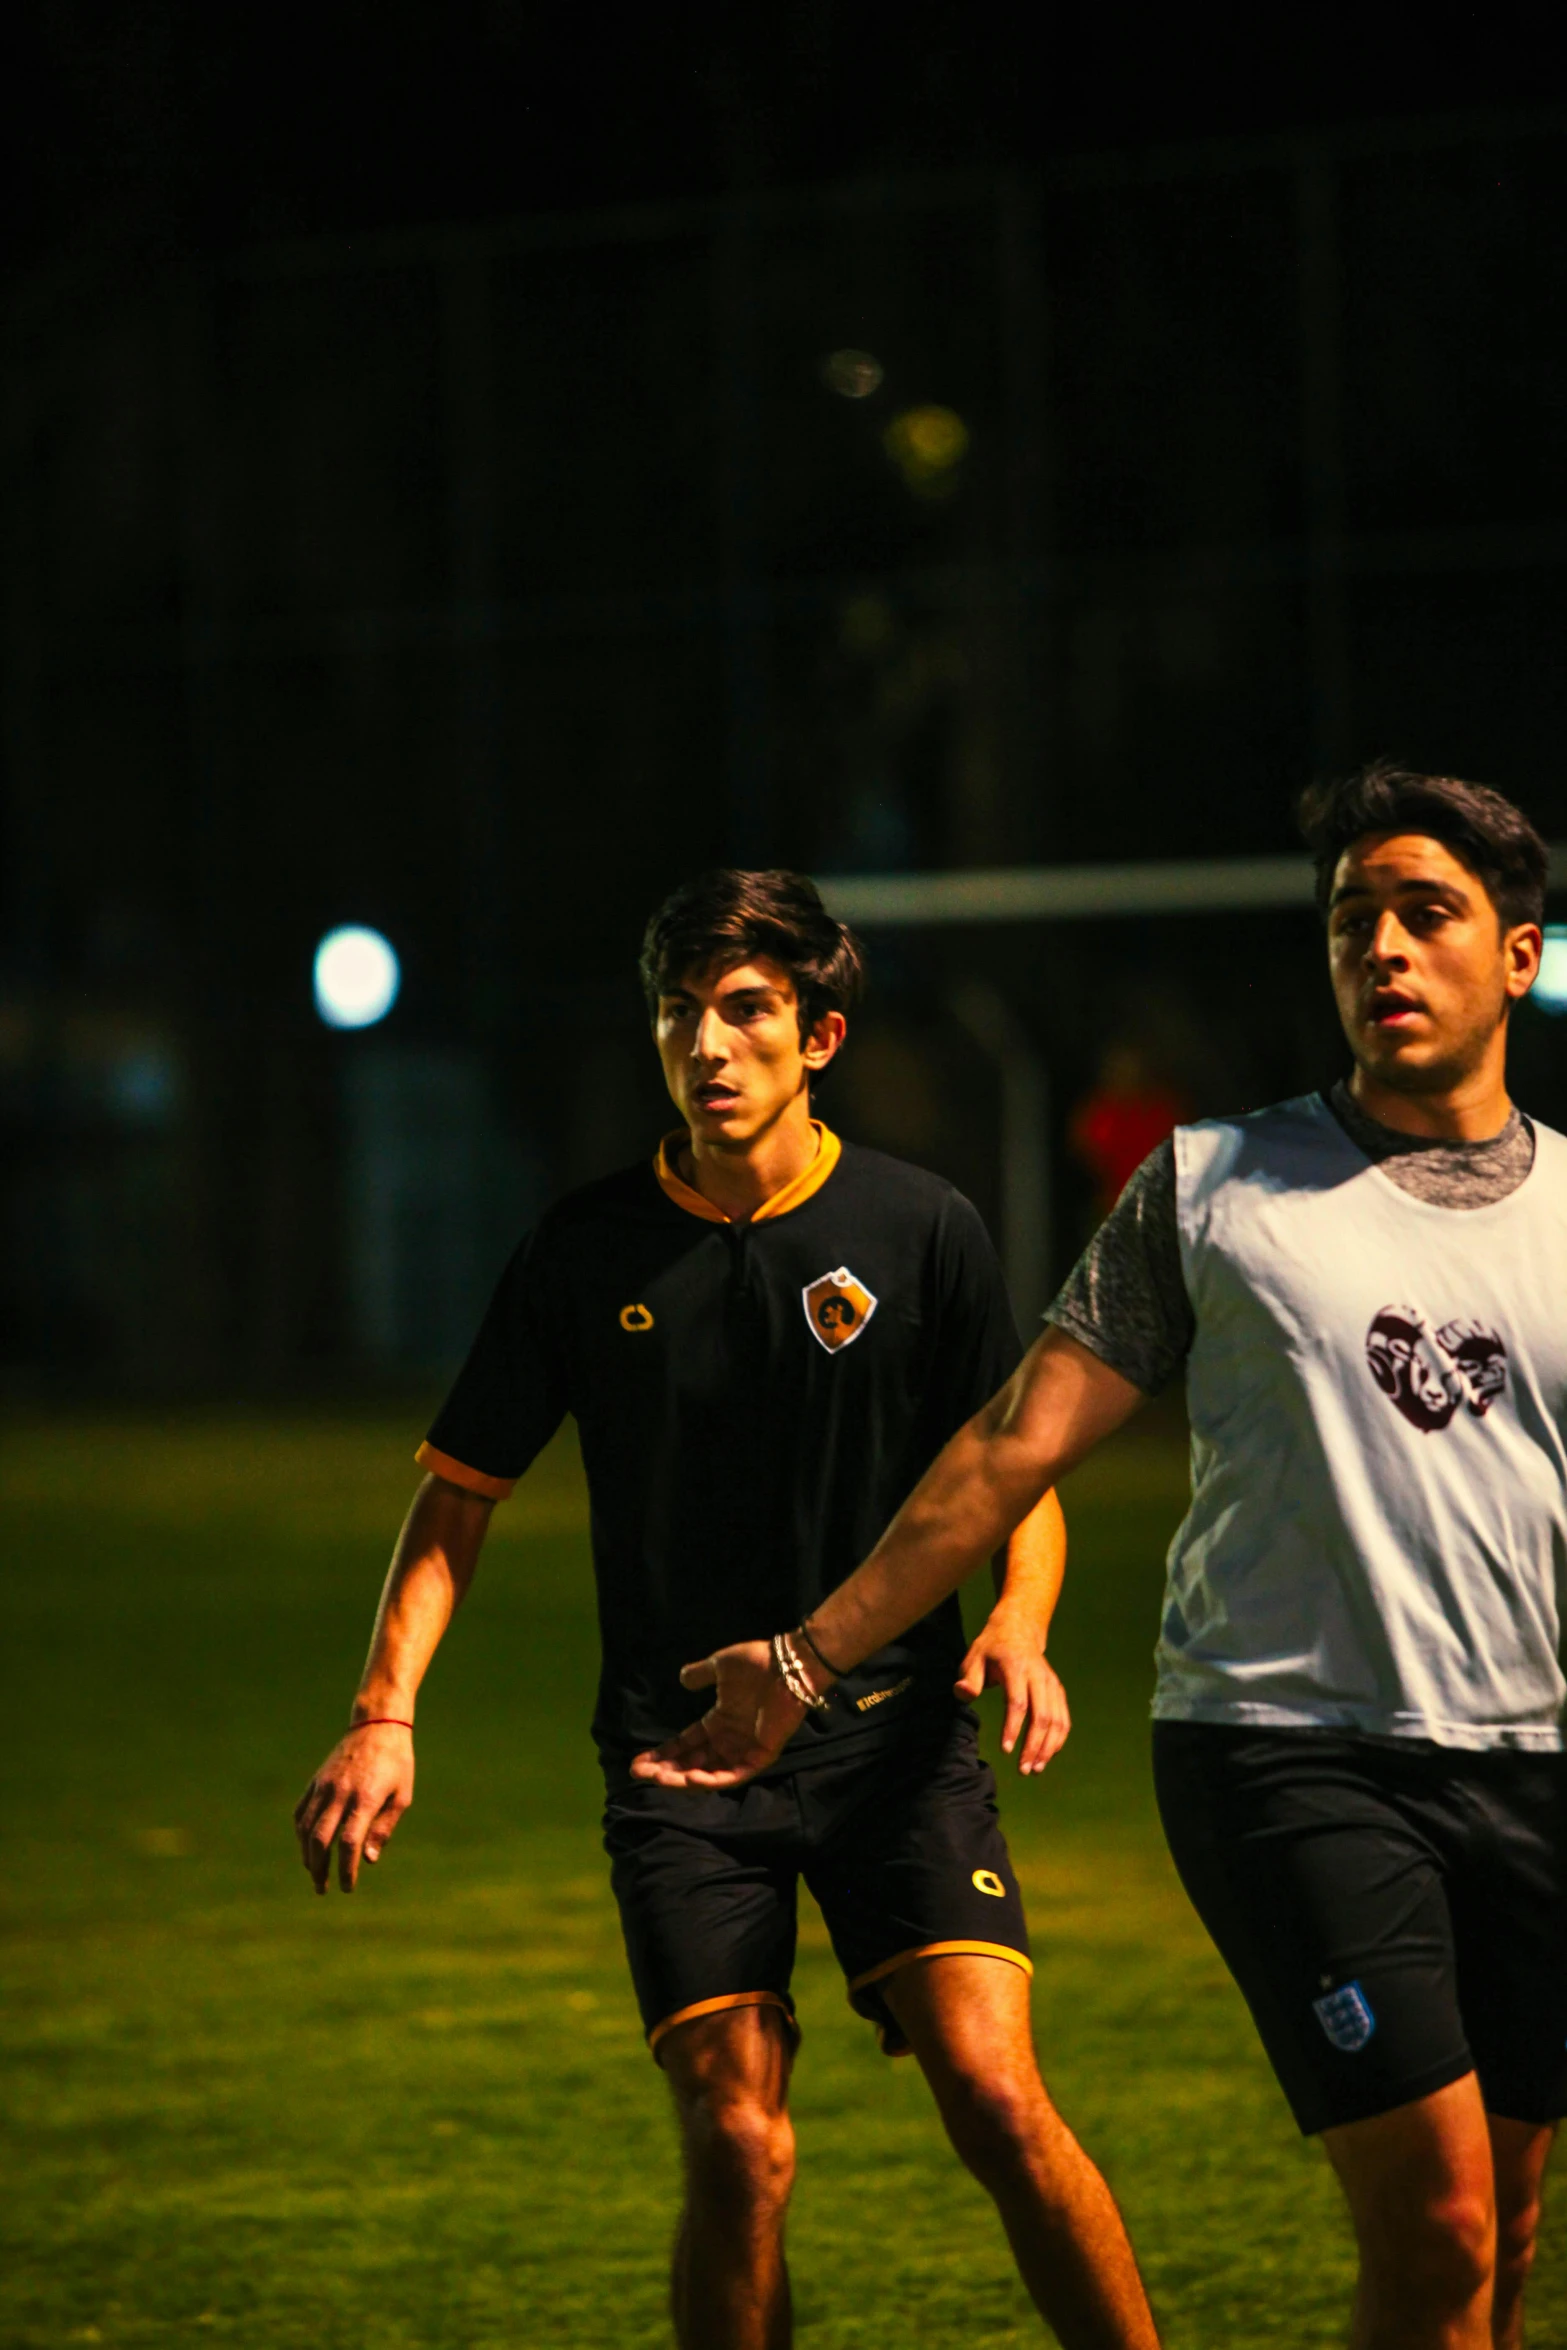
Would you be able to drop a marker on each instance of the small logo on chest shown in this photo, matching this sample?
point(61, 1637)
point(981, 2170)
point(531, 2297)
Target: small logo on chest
point(1427, 1371)
point(837, 1307)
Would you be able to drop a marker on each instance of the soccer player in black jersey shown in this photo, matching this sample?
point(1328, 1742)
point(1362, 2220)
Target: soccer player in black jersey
point(765, 1337)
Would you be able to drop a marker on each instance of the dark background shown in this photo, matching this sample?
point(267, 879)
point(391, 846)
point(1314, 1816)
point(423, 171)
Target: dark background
point(425, 506)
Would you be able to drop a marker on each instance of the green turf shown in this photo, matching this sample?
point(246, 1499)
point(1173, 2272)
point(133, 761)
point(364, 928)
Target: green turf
point(424, 2116)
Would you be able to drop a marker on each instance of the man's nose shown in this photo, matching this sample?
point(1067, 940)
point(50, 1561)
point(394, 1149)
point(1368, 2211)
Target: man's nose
point(709, 1043)
point(1389, 941)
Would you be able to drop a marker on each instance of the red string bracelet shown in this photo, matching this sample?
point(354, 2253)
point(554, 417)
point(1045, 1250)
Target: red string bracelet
point(375, 1721)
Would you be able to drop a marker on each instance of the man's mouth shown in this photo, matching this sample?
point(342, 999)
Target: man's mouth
point(715, 1097)
point(1390, 1008)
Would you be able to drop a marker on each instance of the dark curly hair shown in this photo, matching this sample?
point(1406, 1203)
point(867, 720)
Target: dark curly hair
point(730, 916)
point(1485, 831)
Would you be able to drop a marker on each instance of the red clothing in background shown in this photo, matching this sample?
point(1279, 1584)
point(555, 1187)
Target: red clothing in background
point(1113, 1132)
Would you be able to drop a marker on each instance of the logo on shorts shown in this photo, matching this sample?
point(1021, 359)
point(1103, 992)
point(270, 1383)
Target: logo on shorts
point(635, 1318)
point(837, 1307)
point(1345, 2015)
point(1428, 1371)
point(986, 1881)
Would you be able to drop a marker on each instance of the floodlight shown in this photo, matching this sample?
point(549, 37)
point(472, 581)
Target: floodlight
point(1550, 989)
point(927, 445)
point(356, 977)
point(852, 374)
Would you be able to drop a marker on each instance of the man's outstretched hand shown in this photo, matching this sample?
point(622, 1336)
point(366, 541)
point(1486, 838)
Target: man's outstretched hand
point(751, 1720)
point(355, 1801)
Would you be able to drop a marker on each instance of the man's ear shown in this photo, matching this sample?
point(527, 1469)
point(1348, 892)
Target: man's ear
point(1523, 948)
point(823, 1040)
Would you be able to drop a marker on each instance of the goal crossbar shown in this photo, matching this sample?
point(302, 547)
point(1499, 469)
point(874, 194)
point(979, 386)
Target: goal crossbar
point(1063, 893)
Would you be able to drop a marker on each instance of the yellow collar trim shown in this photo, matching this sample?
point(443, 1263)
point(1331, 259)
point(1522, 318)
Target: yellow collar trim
point(793, 1195)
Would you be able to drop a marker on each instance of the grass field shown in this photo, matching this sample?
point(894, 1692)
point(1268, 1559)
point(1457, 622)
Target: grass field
point(425, 2116)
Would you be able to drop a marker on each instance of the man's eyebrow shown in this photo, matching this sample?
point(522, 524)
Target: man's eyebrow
point(759, 987)
point(1416, 885)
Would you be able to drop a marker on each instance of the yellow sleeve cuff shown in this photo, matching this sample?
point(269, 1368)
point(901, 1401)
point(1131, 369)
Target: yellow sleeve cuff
point(441, 1464)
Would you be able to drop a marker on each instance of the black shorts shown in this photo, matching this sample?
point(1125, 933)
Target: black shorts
point(1395, 1916)
point(902, 1848)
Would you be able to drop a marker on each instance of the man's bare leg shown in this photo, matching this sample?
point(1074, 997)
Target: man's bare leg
point(730, 2076)
point(1518, 2156)
point(1421, 2191)
point(967, 2020)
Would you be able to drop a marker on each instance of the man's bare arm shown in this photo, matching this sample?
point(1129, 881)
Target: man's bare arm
point(366, 1783)
point(1059, 1404)
point(1009, 1651)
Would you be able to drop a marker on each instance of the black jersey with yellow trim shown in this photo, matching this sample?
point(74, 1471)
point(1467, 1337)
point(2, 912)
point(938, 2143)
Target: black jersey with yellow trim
point(754, 1400)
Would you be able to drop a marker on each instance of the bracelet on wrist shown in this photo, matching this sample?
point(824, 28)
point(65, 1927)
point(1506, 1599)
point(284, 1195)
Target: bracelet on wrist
point(792, 1673)
point(378, 1721)
point(804, 1632)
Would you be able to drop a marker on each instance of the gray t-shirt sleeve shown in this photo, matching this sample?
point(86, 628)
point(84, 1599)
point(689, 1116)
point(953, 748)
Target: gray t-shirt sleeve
point(1125, 1298)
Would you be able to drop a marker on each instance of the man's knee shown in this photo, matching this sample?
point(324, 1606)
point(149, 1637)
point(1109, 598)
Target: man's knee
point(1440, 2251)
point(739, 2147)
point(729, 2074)
point(998, 2127)
point(1517, 2230)
point(1421, 2183)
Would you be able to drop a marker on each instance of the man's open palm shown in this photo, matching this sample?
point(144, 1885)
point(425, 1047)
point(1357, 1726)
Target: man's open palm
point(751, 1720)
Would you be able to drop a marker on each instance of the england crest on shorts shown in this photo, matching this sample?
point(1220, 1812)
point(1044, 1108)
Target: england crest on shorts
point(837, 1307)
point(1345, 2015)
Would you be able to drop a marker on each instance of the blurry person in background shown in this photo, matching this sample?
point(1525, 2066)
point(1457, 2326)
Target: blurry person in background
point(1127, 1113)
point(1358, 1715)
point(765, 1335)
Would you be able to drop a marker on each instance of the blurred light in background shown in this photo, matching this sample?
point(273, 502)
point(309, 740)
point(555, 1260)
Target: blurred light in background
point(867, 625)
point(927, 445)
point(854, 374)
point(356, 977)
point(1550, 989)
point(142, 1084)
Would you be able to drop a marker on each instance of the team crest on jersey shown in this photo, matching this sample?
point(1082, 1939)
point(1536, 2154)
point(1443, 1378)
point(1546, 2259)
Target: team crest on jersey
point(837, 1307)
point(1345, 2015)
point(1428, 1370)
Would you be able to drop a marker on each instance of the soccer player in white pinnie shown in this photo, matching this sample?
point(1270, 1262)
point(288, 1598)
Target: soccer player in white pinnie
point(764, 1336)
point(1358, 1712)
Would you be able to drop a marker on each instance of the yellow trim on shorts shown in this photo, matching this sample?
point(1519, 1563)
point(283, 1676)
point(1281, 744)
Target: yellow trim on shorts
point(687, 2015)
point(890, 1966)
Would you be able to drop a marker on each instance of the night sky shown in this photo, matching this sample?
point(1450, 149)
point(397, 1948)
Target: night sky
point(481, 587)
point(162, 126)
